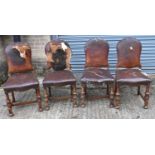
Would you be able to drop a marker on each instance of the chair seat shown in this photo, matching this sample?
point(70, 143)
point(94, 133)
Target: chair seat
point(96, 75)
point(64, 77)
point(21, 81)
point(131, 76)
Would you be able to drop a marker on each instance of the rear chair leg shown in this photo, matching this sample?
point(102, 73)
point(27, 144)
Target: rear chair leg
point(49, 90)
point(74, 95)
point(85, 89)
point(13, 97)
point(112, 96)
point(46, 99)
point(146, 97)
point(39, 100)
point(138, 90)
point(9, 104)
point(117, 102)
point(108, 89)
point(71, 93)
point(83, 95)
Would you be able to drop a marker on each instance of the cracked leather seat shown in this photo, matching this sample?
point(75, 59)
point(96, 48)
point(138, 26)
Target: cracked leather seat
point(96, 75)
point(132, 76)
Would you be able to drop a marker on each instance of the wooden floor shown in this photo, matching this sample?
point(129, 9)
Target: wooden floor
point(99, 109)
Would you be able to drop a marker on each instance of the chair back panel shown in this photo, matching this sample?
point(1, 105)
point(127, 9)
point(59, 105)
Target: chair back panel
point(18, 58)
point(96, 52)
point(54, 48)
point(128, 53)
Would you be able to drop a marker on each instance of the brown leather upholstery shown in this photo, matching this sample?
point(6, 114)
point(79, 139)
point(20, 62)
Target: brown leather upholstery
point(96, 53)
point(21, 81)
point(18, 57)
point(96, 68)
point(59, 78)
point(96, 75)
point(131, 76)
point(128, 53)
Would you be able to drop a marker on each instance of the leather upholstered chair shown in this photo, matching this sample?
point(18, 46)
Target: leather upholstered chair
point(129, 71)
point(21, 74)
point(61, 77)
point(96, 69)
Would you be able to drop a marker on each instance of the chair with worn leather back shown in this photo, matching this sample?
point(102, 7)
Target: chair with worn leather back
point(59, 71)
point(21, 74)
point(129, 69)
point(96, 69)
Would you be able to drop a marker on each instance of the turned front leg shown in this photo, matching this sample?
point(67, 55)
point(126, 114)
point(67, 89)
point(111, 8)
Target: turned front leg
point(46, 98)
point(83, 95)
point(9, 104)
point(117, 97)
point(39, 99)
point(146, 97)
point(74, 95)
point(111, 95)
point(108, 89)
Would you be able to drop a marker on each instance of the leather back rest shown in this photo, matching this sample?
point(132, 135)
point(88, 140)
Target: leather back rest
point(54, 46)
point(96, 52)
point(18, 58)
point(128, 53)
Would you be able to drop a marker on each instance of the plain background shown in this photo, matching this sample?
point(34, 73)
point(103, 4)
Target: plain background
point(77, 137)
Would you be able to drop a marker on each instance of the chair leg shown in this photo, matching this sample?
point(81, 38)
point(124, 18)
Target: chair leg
point(39, 100)
point(46, 98)
point(74, 95)
point(108, 89)
point(71, 87)
point(146, 97)
point(85, 89)
point(49, 90)
point(13, 97)
point(111, 95)
point(117, 102)
point(138, 90)
point(83, 95)
point(9, 104)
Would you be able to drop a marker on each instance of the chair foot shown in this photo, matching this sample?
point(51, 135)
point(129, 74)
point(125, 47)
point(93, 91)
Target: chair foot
point(111, 105)
point(75, 105)
point(117, 107)
point(83, 105)
point(47, 108)
point(40, 109)
point(11, 114)
point(145, 106)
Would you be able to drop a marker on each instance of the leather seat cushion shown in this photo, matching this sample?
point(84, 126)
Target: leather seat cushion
point(64, 77)
point(131, 76)
point(19, 81)
point(97, 75)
